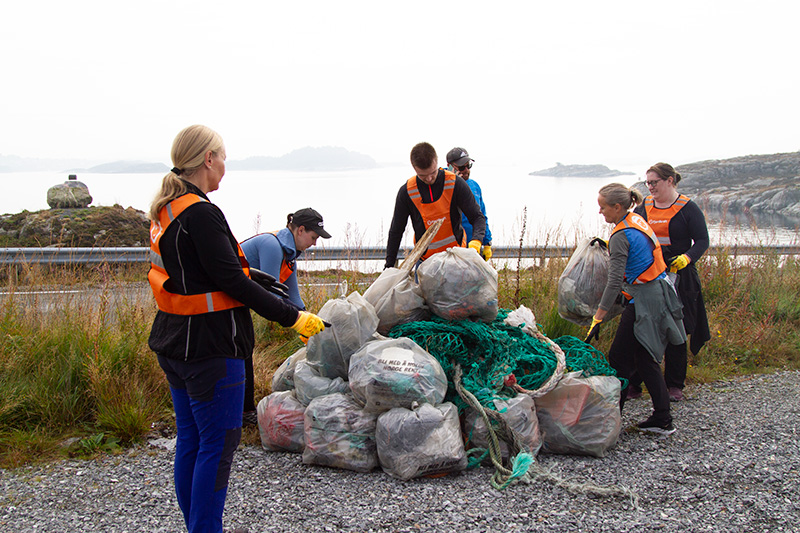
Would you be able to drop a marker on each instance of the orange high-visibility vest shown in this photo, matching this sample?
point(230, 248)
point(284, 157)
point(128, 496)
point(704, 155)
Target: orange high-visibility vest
point(438, 210)
point(183, 304)
point(287, 267)
point(659, 219)
point(632, 220)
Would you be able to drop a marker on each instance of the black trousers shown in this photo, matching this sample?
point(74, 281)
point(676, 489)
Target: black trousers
point(628, 357)
point(676, 359)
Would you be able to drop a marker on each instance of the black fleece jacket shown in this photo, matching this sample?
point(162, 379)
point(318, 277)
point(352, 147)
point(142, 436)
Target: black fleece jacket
point(199, 253)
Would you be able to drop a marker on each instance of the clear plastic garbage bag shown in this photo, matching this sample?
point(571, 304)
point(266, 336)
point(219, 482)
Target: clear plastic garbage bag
point(309, 384)
point(395, 373)
point(583, 281)
point(421, 441)
point(520, 415)
point(353, 321)
point(397, 299)
point(280, 422)
point(339, 433)
point(458, 284)
point(283, 379)
point(580, 415)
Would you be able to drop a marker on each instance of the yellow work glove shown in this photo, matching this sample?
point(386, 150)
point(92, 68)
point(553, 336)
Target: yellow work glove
point(308, 324)
point(601, 242)
point(475, 245)
point(679, 262)
point(594, 330)
point(487, 251)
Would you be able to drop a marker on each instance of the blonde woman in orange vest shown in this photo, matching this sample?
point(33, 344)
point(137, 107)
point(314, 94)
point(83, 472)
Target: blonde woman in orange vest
point(276, 254)
point(203, 331)
point(652, 318)
point(430, 195)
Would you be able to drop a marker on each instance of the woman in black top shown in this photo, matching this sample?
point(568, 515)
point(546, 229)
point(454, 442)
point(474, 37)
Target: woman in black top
point(683, 234)
point(203, 331)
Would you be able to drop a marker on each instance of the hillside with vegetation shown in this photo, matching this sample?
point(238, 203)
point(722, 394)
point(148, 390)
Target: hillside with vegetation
point(85, 227)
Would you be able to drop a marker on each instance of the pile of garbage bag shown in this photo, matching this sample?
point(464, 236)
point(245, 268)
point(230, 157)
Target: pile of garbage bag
point(357, 400)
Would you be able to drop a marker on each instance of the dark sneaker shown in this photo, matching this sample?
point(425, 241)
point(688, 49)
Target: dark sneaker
point(654, 425)
point(633, 393)
point(675, 394)
point(249, 418)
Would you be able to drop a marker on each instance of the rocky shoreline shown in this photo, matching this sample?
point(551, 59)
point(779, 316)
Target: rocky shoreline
point(760, 185)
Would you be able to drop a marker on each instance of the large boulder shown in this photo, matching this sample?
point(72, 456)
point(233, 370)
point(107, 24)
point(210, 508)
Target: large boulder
point(70, 194)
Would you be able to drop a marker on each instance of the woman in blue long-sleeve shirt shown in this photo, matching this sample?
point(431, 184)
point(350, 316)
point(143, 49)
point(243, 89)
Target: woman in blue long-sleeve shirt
point(276, 253)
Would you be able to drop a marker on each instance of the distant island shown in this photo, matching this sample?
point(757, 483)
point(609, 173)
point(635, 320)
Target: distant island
point(324, 158)
point(122, 167)
point(309, 158)
point(579, 171)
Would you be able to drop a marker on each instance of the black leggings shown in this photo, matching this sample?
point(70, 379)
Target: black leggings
point(628, 357)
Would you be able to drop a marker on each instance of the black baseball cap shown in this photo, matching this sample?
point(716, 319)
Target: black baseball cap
point(311, 220)
point(458, 157)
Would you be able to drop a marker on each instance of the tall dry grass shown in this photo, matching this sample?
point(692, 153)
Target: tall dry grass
point(73, 364)
point(79, 366)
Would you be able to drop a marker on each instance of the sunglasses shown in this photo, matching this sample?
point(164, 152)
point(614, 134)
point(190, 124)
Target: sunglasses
point(465, 167)
point(653, 183)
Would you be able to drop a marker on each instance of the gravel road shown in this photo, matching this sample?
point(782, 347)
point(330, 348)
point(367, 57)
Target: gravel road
point(733, 465)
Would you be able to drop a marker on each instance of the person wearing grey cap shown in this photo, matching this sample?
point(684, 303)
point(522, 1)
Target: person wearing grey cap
point(276, 254)
point(460, 163)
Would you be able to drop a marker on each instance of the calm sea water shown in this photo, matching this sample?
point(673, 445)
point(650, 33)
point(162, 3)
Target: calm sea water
point(358, 205)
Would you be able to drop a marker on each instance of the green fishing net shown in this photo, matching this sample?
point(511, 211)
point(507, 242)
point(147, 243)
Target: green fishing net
point(489, 353)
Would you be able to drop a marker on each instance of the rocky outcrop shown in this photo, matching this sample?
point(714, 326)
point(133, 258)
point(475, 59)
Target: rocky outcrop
point(78, 227)
point(579, 171)
point(70, 194)
point(762, 185)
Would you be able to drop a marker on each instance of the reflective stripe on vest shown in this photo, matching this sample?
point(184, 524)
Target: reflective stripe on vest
point(659, 219)
point(632, 220)
point(438, 210)
point(183, 304)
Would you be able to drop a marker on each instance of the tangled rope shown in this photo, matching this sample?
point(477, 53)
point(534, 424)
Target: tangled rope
point(504, 358)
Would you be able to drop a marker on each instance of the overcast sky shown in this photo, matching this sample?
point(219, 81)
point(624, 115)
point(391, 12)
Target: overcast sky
point(526, 83)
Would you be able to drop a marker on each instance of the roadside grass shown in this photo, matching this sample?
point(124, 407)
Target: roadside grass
point(78, 379)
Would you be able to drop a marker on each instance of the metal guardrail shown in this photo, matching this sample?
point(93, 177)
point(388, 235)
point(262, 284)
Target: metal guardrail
point(120, 255)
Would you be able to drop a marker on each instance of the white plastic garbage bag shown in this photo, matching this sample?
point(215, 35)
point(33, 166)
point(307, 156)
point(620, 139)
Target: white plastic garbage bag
point(581, 285)
point(283, 379)
point(580, 415)
point(421, 441)
point(458, 284)
point(353, 321)
point(397, 299)
point(281, 423)
point(395, 373)
point(339, 433)
point(519, 413)
point(309, 384)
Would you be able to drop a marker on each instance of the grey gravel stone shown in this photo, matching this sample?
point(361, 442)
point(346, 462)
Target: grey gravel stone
point(732, 466)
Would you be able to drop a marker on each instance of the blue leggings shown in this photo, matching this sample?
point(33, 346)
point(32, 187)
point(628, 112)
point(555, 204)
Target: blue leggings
point(208, 397)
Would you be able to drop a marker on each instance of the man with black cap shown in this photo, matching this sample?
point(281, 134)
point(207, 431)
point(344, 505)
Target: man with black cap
point(276, 254)
point(460, 163)
point(434, 194)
